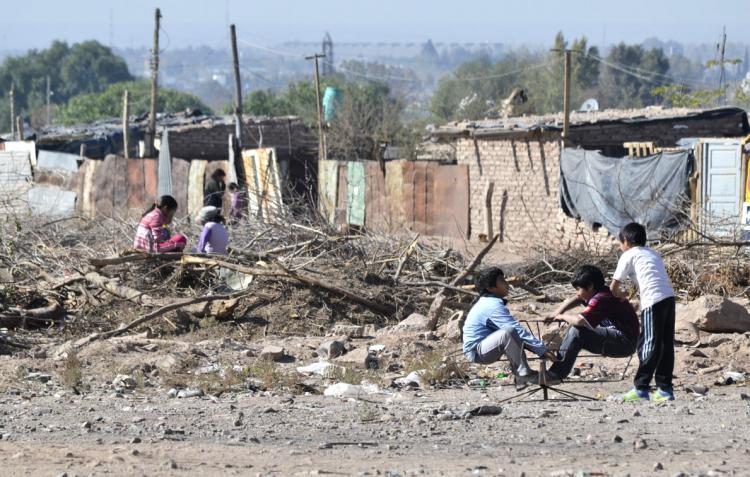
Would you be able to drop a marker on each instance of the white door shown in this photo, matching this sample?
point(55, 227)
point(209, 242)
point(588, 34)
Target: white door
point(722, 166)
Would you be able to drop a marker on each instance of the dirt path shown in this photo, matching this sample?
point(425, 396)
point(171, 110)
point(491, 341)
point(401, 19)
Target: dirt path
point(407, 433)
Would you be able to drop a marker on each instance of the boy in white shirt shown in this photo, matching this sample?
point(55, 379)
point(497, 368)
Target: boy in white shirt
point(646, 270)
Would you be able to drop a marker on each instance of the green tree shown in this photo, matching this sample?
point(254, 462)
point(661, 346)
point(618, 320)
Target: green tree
point(90, 107)
point(627, 81)
point(87, 67)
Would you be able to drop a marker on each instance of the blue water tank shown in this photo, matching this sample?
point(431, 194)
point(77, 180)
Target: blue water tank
point(331, 101)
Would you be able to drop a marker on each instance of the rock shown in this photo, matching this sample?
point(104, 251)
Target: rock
point(170, 464)
point(124, 381)
point(350, 331)
point(698, 389)
point(360, 358)
point(41, 377)
point(331, 349)
point(135, 440)
point(39, 354)
point(189, 392)
point(486, 411)
point(617, 439)
point(171, 362)
point(744, 397)
point(327, 370)
point(658, 466)
point(452, 330)
point(716, 314)
point(413, 379)
point(413, 322)
point(247, 353)
point(370, 330)
point(86, 425)
point(639, 444)
point(272, 353)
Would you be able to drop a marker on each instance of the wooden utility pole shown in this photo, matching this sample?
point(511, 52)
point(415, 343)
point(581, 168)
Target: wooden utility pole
point(154, 83)
point(126, 124)
point(322, 153)
point(49, 93)
point(722, 85)
point(237, 87)
point(12, 95)
point(566, 98)
point(19, 127)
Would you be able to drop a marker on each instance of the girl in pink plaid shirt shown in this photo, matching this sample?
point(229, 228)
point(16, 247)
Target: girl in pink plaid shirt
point(152, 235)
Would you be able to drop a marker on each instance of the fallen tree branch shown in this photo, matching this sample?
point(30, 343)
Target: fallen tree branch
point(438, 302)
point(704, 244)
point(157, 313)
point(405, 256)
point(379, 308)
point(285, 272)
point(111, 286)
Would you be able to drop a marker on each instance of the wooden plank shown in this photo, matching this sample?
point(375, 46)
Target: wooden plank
point(181, 185)
point(376, 201)
point(394, 185)
point(195, 186)
point(342, 194)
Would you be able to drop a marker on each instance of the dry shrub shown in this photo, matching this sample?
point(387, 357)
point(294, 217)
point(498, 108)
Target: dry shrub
point(271, 375)
point(437, 368)
point(72, 371)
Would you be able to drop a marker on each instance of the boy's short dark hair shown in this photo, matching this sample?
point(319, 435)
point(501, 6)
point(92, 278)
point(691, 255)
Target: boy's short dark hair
point(586, 276)
point(634, 233)
point(487, 278)
point(232, 186)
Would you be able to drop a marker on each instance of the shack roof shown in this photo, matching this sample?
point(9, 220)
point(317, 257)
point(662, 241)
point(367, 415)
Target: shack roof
point(581, 119)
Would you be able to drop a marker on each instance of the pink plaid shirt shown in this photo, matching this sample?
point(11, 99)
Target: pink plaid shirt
point(150, 231)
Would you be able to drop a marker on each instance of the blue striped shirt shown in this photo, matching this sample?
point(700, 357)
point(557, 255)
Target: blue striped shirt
point(488, 315)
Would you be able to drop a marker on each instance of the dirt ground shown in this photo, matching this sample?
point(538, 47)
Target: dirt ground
point(236, 428)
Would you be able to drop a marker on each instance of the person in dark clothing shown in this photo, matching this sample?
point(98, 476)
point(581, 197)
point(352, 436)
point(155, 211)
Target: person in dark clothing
point(213, 192)
point(607, 326)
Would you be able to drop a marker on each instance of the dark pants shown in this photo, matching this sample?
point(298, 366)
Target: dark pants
point(656, 346)
point(601, 340)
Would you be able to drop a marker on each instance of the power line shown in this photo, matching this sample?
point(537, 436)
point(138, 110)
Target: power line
point(502, 75)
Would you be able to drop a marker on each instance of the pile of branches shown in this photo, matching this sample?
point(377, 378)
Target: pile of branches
point(79, 277)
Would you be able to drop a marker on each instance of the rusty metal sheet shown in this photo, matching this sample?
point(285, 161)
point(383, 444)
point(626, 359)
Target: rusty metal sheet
point(103, 190)
point(394, 186)
point(377, 216)
point(180, 182)
point(450, 193)
point(151, 177)
point(136, 184)
point(120, 185)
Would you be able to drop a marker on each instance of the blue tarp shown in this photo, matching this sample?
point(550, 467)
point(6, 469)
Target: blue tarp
point(614, 191)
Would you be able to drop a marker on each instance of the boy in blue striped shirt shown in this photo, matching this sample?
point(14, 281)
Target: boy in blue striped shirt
point(490, 331)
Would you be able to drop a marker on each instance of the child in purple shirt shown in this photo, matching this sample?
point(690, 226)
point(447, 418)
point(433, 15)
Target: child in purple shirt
point(214, 237)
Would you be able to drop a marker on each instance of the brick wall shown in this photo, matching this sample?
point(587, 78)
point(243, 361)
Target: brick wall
point(525, 202)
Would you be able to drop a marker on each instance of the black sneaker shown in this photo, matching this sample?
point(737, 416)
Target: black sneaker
point(551, 379)
point(523, 381)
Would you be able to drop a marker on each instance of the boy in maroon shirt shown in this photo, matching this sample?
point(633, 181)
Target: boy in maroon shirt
point(608, 326)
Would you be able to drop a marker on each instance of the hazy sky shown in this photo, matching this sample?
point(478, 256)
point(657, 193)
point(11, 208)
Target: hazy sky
point(35, 23)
